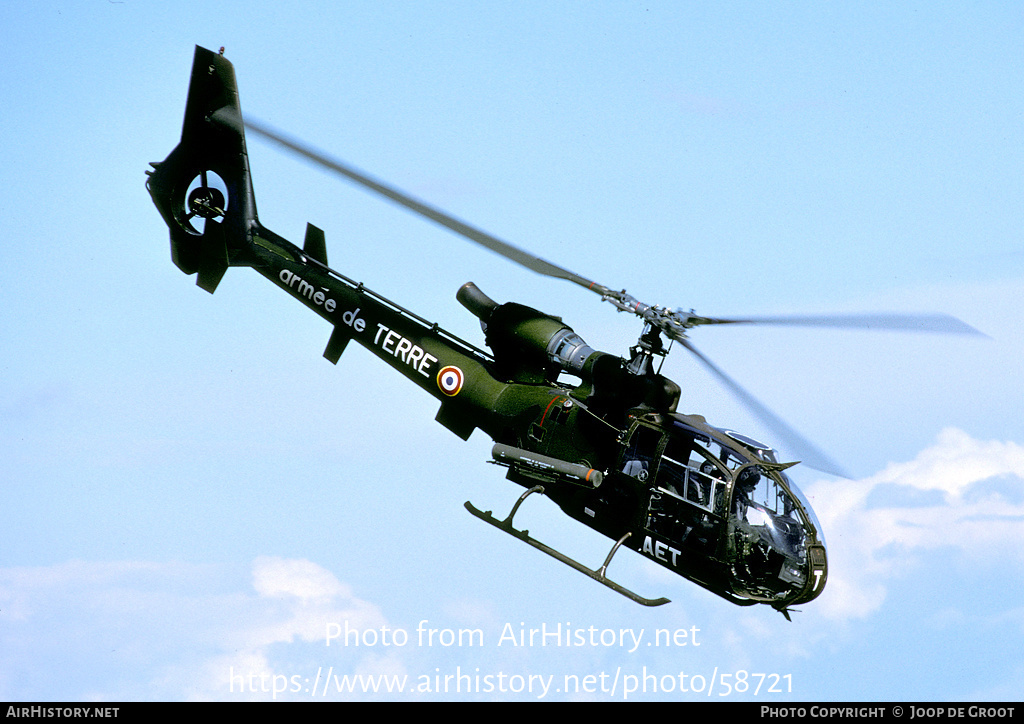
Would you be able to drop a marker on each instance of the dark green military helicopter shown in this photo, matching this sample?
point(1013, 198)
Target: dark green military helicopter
point(610, 449)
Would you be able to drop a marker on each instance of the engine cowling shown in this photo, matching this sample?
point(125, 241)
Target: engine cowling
point(528, 345)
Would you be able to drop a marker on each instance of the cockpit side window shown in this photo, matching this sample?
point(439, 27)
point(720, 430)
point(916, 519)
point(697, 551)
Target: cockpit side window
point(643, 453)
point(767, 494)
point(685, 464)
point(688, 497)
point(712, 448)
point(696, 476)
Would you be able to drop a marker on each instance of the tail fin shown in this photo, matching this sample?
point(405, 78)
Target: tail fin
point(203, 188)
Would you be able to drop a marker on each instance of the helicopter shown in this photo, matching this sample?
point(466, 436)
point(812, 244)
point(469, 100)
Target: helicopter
point(607, 445)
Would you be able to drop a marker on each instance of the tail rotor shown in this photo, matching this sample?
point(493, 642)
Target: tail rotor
point(206, 198)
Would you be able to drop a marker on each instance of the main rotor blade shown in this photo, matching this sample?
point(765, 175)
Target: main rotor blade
point(942, 323)
point(795, 443)
point(674, 324)
point(436, 215)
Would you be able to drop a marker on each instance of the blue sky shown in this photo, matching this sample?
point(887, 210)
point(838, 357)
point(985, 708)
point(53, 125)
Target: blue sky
point(192, 496)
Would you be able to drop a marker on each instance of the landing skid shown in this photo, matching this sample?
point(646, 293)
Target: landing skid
point(598, 574)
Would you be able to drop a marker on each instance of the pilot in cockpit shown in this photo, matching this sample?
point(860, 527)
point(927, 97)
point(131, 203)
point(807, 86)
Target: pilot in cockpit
point(746, 483)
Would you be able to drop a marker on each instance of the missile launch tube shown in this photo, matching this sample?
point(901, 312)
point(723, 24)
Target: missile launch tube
point(508, 455)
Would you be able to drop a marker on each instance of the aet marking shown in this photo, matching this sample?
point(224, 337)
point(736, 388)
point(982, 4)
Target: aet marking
point(395, 344)
point(658, 550)
point(450, 379)
point(307, 290)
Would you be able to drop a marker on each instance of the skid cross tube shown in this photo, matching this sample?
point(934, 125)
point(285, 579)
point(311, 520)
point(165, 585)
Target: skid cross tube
point(524, 535)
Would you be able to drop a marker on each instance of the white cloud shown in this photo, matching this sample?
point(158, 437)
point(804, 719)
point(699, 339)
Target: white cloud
point(296, 602)
point(304, 598)
point(278, 577)
point(962, 496)
point(169, 631)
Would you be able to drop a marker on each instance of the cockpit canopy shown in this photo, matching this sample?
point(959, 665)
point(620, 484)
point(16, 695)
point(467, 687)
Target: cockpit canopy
point(725, 498)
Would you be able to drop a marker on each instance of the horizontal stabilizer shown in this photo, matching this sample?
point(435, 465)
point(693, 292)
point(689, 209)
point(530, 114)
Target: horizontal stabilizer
point(455, 421)
point(315, 246)
point(336, 345)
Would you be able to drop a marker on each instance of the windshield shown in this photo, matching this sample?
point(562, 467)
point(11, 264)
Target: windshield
point(798, 494)
point(769, 536)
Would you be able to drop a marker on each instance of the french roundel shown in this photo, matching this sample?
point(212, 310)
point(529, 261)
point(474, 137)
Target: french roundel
point(450, 380)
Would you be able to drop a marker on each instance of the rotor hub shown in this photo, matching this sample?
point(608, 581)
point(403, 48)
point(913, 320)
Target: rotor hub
point(206, 202)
